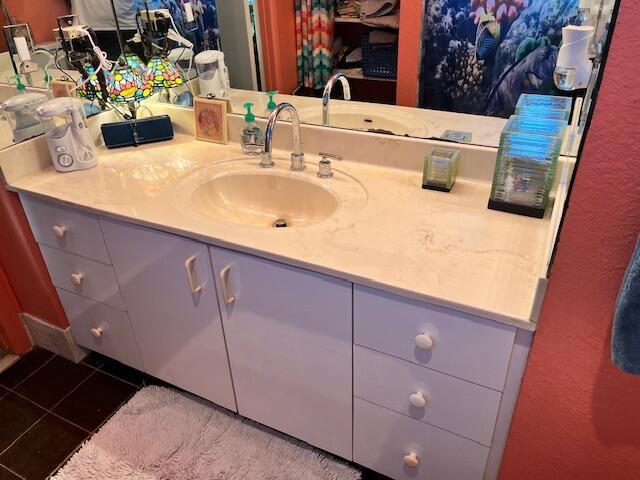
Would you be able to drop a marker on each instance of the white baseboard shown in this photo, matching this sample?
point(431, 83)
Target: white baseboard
point(55, 339)
point(6, 360)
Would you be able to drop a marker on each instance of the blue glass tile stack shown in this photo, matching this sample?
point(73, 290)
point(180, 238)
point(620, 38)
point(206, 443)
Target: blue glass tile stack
point(528, 154)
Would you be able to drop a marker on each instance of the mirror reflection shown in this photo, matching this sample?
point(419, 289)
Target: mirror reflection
point(445, 69)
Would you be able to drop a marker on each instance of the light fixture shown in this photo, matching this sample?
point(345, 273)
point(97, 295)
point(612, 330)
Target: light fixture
point(126, 86)
point(135, 64)
point(91, 89)
point(161, 73)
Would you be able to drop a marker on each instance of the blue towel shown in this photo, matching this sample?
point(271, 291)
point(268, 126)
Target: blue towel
point(625, 338)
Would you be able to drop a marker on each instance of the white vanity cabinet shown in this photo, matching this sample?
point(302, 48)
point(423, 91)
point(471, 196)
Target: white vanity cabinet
point(289, 335)
point(168, 289)
point(404, 387)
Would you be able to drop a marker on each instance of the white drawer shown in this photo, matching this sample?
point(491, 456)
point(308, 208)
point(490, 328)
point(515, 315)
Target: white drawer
point(463, 345)
point(452, 404)
point(65, 228)
point(382, 438)
point(83, 276)
point(114, 338)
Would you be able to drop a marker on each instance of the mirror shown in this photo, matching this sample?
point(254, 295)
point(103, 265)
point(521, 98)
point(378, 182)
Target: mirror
point(444, 69)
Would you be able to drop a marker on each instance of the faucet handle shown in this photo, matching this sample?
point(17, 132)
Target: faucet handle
point(326, 156)
point(324, 165)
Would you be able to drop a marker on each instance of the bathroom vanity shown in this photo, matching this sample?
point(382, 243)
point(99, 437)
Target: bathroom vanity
point(390, 327)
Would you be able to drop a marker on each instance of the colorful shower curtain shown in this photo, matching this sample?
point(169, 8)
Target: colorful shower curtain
point(314, 37)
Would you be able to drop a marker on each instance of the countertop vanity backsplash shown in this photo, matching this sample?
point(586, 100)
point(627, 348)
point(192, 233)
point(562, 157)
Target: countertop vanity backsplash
point(388, 325)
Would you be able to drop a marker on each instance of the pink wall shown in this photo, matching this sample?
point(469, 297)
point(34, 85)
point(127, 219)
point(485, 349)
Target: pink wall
point(409, 52)
point(22, 262)
point(40, 14)
point(13, 336)
point(577, 416)
point(278, 35)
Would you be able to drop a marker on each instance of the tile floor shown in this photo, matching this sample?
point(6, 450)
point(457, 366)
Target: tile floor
point(49, 406)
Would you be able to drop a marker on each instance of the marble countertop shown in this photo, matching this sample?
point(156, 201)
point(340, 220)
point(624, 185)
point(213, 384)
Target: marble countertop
point(447, 249)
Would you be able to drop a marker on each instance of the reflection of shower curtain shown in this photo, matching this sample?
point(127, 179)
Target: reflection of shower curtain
point(314, 38)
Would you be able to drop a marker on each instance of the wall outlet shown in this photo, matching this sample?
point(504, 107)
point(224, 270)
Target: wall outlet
point(55, 339)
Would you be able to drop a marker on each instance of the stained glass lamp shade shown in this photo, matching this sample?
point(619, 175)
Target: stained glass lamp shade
point(126, 86)
point(161, 73)
point(136, 64)
point(91, 90)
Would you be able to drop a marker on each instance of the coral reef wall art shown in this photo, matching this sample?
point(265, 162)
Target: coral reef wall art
point(479, 56)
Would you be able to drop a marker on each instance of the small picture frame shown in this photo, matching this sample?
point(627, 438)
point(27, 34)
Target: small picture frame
point(62, 88)
point(211, 120)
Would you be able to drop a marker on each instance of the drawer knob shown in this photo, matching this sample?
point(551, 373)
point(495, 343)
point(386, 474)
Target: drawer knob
point(424, 341)
point(418, 399)
point(97, 331)
point(411, 460)
point(59, 231)
point(76, 278)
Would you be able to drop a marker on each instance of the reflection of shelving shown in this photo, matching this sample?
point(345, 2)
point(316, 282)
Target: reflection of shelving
point(352, 31)
point(348, 20)
point(356, 74)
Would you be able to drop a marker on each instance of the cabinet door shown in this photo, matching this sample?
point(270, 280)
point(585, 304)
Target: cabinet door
point(178, 329)
point(289, 335)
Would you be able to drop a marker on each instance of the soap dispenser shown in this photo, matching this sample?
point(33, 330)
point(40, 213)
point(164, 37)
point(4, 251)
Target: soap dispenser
point(271, 105)
point(19, 85)
point(251, 138)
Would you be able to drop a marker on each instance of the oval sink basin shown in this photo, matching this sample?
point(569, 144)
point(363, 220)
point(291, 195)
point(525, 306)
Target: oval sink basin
point(239, 191)
point(371, 118)
point(262, 200)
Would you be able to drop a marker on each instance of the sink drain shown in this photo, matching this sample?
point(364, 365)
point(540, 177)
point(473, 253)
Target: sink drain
point(280, 223)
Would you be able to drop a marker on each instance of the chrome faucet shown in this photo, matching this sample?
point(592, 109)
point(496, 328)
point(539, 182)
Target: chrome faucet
point(297, 157)
point(326, 96)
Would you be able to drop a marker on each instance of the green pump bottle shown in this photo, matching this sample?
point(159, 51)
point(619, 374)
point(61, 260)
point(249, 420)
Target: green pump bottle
point(271, 105)
point(251, 136)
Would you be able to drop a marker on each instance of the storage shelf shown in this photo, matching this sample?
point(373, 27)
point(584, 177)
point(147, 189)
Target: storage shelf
point(348, 19)
point(356, 74)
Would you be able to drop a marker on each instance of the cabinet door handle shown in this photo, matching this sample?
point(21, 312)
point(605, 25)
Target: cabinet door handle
point(411, 460)
point(224, 282)
point(424, 341)
point(98, 331)
point(418, 399)
point(77, 278)
point(193, 284)
point(59, 230)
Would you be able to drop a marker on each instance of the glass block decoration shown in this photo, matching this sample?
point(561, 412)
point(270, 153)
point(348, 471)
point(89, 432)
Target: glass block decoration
point(440, 169)
point(550, 101)
point(535, 125)
point(524, 173)
point(161, 73)
point(125, 86)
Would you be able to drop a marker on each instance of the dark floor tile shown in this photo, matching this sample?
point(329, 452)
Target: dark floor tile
point(94, 401)
point(7, 475)
point(53, 381)
point(17, 415)
point(94, 359)
point(3, 391)
point(24, 367)
point(123, 372)
point(39, 451)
